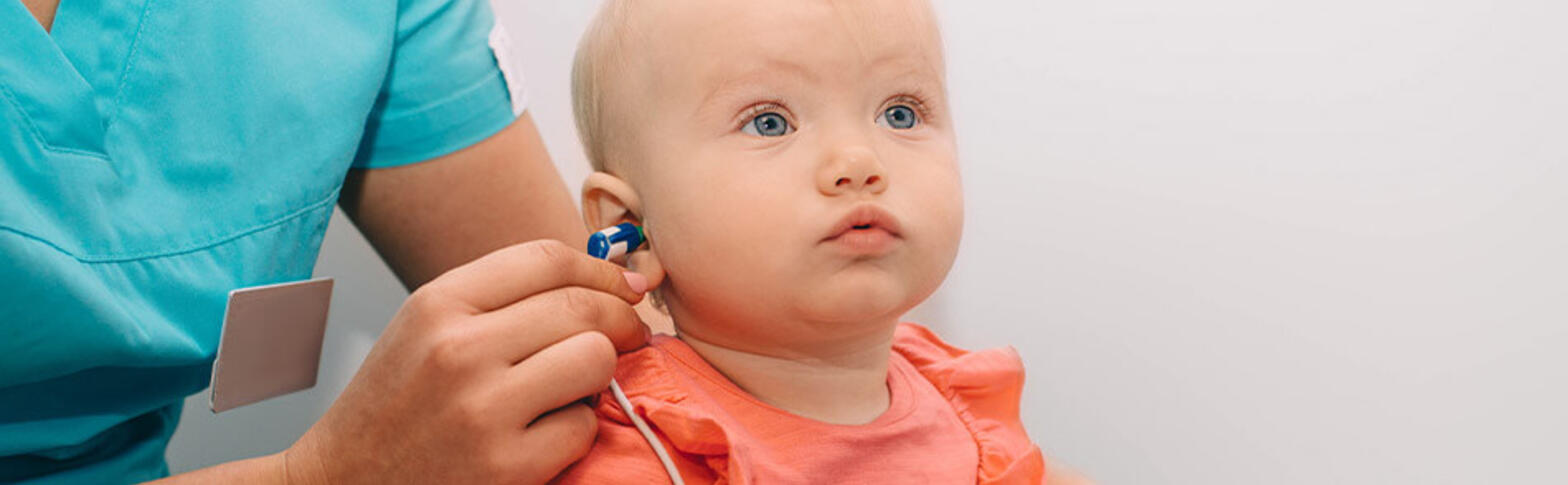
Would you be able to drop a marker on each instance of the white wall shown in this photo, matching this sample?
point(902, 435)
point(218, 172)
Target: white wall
point(1236, 241)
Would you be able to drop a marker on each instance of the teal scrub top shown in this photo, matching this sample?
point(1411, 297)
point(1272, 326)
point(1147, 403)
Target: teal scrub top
point(158, 154)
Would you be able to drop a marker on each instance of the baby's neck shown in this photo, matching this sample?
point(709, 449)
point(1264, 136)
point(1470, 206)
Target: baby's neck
point(846, 384)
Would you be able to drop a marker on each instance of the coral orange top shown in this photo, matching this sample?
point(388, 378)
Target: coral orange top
point(952, 418)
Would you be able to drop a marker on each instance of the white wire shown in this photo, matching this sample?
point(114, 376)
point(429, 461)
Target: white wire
point(647, 434)
point(615, 251)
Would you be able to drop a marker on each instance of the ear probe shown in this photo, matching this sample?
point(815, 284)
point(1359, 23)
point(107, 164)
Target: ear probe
point(608, 244)
point(615, 241)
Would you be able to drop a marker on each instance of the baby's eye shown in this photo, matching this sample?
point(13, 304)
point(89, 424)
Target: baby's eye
point(767, 124)
point(899, 117)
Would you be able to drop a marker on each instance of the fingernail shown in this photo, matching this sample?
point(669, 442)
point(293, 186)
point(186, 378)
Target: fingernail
point(639, 283)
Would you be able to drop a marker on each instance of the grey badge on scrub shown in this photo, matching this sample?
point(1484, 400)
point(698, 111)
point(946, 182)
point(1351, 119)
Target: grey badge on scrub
point(270, 343)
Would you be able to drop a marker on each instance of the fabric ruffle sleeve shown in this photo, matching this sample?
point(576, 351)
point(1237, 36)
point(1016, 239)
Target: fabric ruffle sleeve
point(695, 440)
point(985, 388)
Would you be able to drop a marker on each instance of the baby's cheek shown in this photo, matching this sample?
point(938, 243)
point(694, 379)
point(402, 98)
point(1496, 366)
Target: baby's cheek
point(713, 249)
point(939, 212)
point(936, 200)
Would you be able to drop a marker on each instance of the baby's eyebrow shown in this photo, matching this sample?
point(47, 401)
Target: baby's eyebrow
point(759, 78)
point(749, 80)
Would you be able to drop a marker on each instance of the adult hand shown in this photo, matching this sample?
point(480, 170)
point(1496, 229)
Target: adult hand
point(477, 378)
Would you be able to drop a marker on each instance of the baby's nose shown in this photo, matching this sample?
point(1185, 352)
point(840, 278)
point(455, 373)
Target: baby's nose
point(852, 170)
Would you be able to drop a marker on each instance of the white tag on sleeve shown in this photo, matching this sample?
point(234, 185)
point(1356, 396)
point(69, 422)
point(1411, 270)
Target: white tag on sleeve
point(271, 342)
point(506, 60)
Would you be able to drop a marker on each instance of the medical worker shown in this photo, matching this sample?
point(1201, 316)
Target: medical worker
point(158, 154)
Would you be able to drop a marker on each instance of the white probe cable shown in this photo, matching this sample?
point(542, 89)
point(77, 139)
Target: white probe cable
point(647, 433)
point(609, 243)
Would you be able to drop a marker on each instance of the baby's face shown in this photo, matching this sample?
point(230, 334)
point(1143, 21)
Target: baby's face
point(798, 163)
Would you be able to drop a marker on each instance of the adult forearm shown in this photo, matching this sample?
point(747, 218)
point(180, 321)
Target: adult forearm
point(430, 217)
point(266, 470)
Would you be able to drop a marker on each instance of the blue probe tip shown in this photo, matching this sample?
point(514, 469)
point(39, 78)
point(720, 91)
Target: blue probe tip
point(615, 241)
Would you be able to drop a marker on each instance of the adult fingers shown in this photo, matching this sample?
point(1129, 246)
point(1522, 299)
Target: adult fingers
point(513, 273)
point(556, 440)
point(569, 370)
point(523, 328)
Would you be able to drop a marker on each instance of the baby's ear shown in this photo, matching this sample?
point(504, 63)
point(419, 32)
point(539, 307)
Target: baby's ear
point(608, 200)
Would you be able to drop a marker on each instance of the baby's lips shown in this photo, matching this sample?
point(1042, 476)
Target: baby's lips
point(866, 214)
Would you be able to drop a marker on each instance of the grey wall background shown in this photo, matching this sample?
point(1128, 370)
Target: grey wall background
point(1235, 241)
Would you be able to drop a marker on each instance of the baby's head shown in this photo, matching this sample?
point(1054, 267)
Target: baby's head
point(792, 163)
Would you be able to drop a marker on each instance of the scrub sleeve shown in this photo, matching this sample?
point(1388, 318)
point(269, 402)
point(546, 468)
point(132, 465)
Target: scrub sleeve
point(158, 154)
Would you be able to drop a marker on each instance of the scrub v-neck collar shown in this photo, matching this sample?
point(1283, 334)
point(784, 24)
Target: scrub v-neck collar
point(56, 101)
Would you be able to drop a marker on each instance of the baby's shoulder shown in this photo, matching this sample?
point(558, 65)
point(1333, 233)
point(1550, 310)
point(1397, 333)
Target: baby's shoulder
point(620, 454)
point(667, 394)
point(949, 367)
point(653, 384)
point(984, 389)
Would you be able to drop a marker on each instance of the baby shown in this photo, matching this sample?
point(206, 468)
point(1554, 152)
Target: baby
point(794, 169)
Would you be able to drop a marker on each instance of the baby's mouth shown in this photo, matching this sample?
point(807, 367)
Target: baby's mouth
point(865, 217)
point(865, 229)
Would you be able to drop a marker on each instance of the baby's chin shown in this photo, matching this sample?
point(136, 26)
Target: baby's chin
point(855, 300)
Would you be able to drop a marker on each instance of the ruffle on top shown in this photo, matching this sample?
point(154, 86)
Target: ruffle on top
point(983, 388)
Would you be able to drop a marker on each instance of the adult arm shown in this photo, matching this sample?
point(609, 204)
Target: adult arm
point(427, 218)
point(476, 376)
